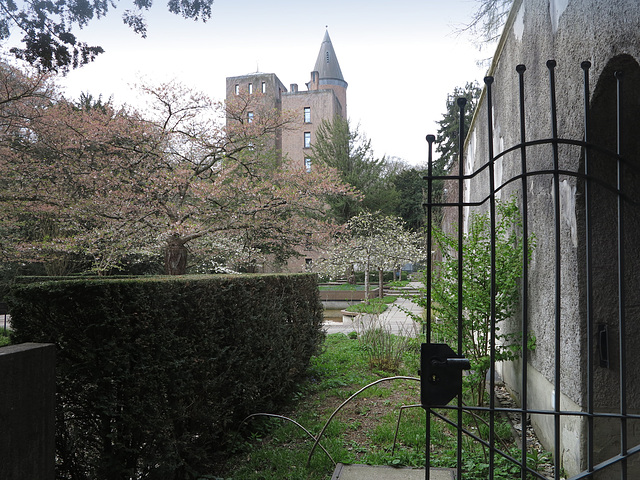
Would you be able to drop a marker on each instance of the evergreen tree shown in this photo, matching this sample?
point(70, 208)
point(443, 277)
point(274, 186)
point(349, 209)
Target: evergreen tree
point(411, 189)
point(350, 153)
point(449, 126)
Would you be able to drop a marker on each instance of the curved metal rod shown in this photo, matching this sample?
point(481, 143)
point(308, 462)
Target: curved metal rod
point(395, 437)
point(295, 423)
point(417, 379)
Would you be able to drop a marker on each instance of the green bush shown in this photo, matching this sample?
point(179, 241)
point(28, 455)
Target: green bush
point(479, 302)
point(153, 373)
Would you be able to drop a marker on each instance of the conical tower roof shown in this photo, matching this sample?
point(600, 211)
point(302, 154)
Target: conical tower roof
point(327, 64)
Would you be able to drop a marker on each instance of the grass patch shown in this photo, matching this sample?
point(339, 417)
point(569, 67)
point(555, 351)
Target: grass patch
point(4, 338)
point(375, 306)
point(362, 432)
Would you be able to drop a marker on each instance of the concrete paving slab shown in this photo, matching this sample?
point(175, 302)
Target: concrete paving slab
point(369, 472)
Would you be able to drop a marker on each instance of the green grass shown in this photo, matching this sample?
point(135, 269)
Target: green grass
point(284, 452)
point(376, 305)
point(362, 432)
point(4, 338)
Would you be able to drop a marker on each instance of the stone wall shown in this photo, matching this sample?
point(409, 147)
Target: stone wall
point(604, 33)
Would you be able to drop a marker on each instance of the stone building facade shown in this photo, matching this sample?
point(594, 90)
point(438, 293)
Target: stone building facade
point(606, 34)
point(324, 98)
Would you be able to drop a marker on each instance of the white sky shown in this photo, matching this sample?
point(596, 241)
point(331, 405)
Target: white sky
point(400, 58)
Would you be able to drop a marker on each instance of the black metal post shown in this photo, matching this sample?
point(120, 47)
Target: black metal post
point(551, 64)
point(430, 140)
point(461, 137)
point(492, 327)
point(621, 288)
point(589, 280)
point(525, 277)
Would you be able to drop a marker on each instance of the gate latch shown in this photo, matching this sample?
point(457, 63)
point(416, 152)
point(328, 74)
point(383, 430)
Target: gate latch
point(440, 374)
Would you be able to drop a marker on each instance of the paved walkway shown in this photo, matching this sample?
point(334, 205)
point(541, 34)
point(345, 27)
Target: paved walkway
point(367, 472)
point(395, 318)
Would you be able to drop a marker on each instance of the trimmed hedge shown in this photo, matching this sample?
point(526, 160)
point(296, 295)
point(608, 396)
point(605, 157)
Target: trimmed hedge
point(152, 372)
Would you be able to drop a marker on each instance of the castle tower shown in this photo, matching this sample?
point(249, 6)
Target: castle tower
point(324, 99)
point(327, 75)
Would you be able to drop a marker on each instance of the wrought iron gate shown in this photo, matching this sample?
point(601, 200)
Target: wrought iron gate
point(590, 326)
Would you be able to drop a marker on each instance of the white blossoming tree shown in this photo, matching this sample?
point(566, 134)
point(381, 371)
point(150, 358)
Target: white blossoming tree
point(372, 241)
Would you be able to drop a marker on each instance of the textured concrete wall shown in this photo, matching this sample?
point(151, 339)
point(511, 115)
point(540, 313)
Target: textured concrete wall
point(568, 31)
point(27, 412)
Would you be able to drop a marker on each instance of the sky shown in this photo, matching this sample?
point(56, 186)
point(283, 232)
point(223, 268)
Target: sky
point(400, 58)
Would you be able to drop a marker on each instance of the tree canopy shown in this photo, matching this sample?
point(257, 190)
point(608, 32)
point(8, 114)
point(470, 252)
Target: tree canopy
point(449, 125)
point(341, 147)
point(372, 241)
point(47, 27)
point(90, 180)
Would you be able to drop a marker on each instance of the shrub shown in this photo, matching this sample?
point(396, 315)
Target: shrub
point(4, 337)
point(153, 373)
point(477, 296)
point(384, 350)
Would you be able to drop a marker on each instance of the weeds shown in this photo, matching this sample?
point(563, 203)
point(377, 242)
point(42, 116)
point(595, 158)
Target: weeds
point(384, 350)
point(363, 431)
point(374, 306)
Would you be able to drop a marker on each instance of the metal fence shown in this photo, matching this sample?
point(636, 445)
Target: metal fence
point(601, 270)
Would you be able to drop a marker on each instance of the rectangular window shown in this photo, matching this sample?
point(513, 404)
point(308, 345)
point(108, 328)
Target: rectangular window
point(307, 139)
point(307, 114)
point(250, 88)
point(307, 164)
point(237, 90)
point(264, 87)
point(250, 117)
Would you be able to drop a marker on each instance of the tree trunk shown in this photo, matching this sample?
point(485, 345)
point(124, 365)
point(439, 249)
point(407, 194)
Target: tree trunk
point(175, 257)
point(380, 283)
point(366, 281)
point(351, 276)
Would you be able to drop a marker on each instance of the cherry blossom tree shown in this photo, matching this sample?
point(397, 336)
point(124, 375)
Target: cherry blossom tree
point(110, 183)
point(373, 242)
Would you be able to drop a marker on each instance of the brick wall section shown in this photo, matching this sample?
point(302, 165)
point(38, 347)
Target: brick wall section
point(27, 412)
point(323, 105)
